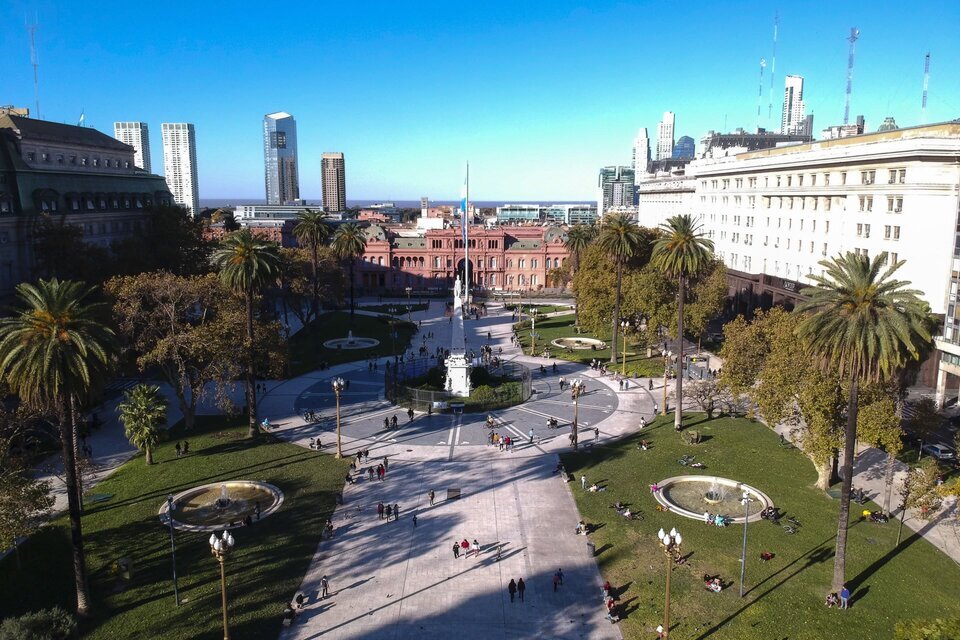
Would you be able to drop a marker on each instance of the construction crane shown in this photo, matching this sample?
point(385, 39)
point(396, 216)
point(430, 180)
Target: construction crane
point(32, 30)
point(926, 83)
point(854, 34)
point(763, 64)
point(773, 65)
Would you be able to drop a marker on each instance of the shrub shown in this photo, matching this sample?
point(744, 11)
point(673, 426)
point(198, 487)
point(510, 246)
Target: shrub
point(479, 377)
point(483, 395)
point(47, 624)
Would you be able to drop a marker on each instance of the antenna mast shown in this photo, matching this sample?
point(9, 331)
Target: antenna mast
point(773, 66)
point(32, 30)
point(763, 63)
point(854, 34)
point(926, 83)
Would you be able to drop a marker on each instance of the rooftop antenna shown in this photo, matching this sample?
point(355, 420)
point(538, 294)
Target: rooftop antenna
point(926, 83)
point(773, 65)
point(763, 64)
point(854, 34)
point(32, 30)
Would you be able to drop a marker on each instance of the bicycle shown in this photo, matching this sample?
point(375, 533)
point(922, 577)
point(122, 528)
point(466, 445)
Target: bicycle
point(790, 530)
point(686, 460)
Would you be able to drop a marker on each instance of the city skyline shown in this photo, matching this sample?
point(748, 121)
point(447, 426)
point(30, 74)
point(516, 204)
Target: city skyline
point(479, 98)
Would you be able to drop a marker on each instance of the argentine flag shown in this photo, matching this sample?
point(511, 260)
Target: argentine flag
point(464, 217)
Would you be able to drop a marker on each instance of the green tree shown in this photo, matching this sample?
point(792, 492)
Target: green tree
point(143, 413)
point(937, 629)
point(594, 287)
point(921, 491)
point(923, 418)
point(620, 238)
point(578, 239)
point(682, 252)
point(865, 325)
point(349, 243)
point(54, 351)
point(47, 624)
point(247, 265)
point(879, 424)
point(708, 296)
point(169, 239)
point(311, 231)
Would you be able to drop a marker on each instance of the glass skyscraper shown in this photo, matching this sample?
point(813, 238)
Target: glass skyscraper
point(281, 177)
point(684, 148)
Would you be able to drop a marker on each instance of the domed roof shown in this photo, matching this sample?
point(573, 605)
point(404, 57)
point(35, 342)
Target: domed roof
point(375, 232)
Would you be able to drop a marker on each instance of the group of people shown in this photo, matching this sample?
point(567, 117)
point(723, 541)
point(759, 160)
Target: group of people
point(387, 511)
point(716, 520)
point(516, 588)
point(610, 602)
point(502, 442)
point(623, 510)
point(841, 600)
point(181, 450)
point(713, 583)
point(465, 548)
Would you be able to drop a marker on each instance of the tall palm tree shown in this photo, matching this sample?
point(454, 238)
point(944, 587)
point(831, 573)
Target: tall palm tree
point(143, 413)
point(865, 326)
point(53, 351)
point(681, 251)
point(620, 239)
point(311, 231)
point(248, 264)
point(349, 243)
point(578, 239)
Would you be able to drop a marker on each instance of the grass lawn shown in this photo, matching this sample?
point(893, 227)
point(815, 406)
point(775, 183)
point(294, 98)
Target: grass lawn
point(549, 329)
point(784, 596)
point(263, 572)
point(542, 308)
point(395, 308)
point(307, 350)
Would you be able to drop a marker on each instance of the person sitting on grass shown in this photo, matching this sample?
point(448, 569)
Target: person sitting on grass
point(595, 488)
point(766, 556)
point(619, 506)
point(644, 445)
point(713, 584)
point(654, 488)
point(832, 600)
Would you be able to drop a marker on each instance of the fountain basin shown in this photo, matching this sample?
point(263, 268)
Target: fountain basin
point(351, 342)
point(690, 496)
point(221, 505)
point(579, 343)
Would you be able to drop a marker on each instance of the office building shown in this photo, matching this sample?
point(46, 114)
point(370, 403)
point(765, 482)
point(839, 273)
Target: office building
point(137, 135)
point(270, 211)
point(684, 149)
point(717, 144)
point(281, 174)
point(641, 152)
point(794, 110)
point(665, 136)
point(519, 214)
point(615, 186)
point(180, 164)
point(333, 182)
point(844, 130)
point(570, 214)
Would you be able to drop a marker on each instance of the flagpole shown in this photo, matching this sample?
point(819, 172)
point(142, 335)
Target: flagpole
point(466, 238)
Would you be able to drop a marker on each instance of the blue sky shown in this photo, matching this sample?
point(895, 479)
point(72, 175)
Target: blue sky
point(536, 95)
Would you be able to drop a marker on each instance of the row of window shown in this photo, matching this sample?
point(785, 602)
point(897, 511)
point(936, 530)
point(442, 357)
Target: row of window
point(75, 160)
point(895, 175)
point(812, 203)
point(438, 262)
point(890, 232)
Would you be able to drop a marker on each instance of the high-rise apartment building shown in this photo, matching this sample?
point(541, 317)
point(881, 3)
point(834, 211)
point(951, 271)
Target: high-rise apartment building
point(333, 181)
point(281, 176)
point(614, 188)
point(641, 152)
point(794, 110)
point(665, 136)
point(180, 164)
point(137, 135)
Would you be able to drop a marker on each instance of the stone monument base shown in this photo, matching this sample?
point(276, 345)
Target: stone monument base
point(458, 375)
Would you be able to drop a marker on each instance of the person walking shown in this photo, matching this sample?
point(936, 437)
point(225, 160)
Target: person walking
point(380, 510)
point(583, 482)
point(456, 550)
point(388, 511)
point(178, 448)
point(186, 447)
point(556, 581)
point(396, 512)
point(476, 548)
point(324, 587)
point(521, 587)
point(386, 424)
point(844, 597)
point(385, 462)
point(410, 414)
point(560, 575)
point(512, 589)
point(414, 521)
point(431, 496)
point(596, 434)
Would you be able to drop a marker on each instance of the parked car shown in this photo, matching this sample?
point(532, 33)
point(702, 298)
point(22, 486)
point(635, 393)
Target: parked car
point(939, 451)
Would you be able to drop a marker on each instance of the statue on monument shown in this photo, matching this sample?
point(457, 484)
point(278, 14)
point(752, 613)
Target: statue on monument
point(457, 288)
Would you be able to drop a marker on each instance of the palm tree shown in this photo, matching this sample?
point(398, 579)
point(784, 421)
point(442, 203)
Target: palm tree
point(681, 252)
point(312, 230)
point(864, 326)
point(578, 239)
point(143, 413)
point(620, 239)
point(349, 243)
point(247, 264)
point(53, 351)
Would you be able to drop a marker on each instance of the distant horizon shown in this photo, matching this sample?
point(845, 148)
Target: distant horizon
point(401, 204)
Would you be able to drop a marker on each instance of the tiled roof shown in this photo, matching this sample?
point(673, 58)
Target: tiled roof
point(57, 132)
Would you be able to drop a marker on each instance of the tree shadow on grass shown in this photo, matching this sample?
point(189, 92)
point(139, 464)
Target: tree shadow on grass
point(864, 575)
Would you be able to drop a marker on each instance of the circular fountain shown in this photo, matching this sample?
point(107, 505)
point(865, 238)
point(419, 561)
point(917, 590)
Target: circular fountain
point(579, 343)
point(222, 505)
point(691, 496)
point(351, 342)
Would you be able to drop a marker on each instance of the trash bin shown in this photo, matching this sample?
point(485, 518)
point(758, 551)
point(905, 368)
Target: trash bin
point(591, 549)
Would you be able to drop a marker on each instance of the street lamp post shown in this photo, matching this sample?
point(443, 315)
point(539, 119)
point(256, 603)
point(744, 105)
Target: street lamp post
point(533, 333)
point(576, 389)
point(745, 500)
point(624, 325)
point(221, 548)
point(408, 289)
point(173, 549)
point(338, 385)
point(666, 371)
point(670, 543)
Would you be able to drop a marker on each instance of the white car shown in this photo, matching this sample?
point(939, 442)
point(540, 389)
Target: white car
point(939, 451)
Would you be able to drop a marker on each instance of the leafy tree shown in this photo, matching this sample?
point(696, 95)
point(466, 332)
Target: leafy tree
point(578, 239)
point(297, 282)
point(921, 491)
point(707, 394)
point(923, 418)
point(620, 238)
point(47, 624)
point(864, 325)
point(937, 629)
point(708, 297)
point(311, 231)
point(594, 285)
point(60, 252)
point(248, 264)
point(169, 240)
point(878, 423)
point(349, 243)
point(682, 252)
point(143, 413)
point(559, 277)
point(54, 351)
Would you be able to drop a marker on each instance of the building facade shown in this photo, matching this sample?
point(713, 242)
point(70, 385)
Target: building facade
point(794, 110)
point(75, 175)
point(615, 186)
point(501, 258)
point(641, 152)
point(180, 164)
point(684, 149)
point(281, 173)
point(137, 135)
point(665, 136)
point(333, 181)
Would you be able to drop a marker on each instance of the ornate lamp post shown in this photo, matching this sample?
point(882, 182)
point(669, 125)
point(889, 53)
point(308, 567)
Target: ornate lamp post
point(338, 385)
point(576, 389)
point(533, 333)
point(666, 374)
point(173, 549)
point(670, 543)
point(624, 325)
point(408, 290)
point(221, 548)
point(745, 500)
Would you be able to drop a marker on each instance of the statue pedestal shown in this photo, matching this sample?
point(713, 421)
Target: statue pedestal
point(458, 375)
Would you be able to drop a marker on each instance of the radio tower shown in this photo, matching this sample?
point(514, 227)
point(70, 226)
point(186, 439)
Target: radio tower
point(32, 30)
point(763, 63)
point(854, 34)
point(926, 83)
point(773, 63)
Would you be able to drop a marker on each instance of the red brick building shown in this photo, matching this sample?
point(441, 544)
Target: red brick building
point(501, 258)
